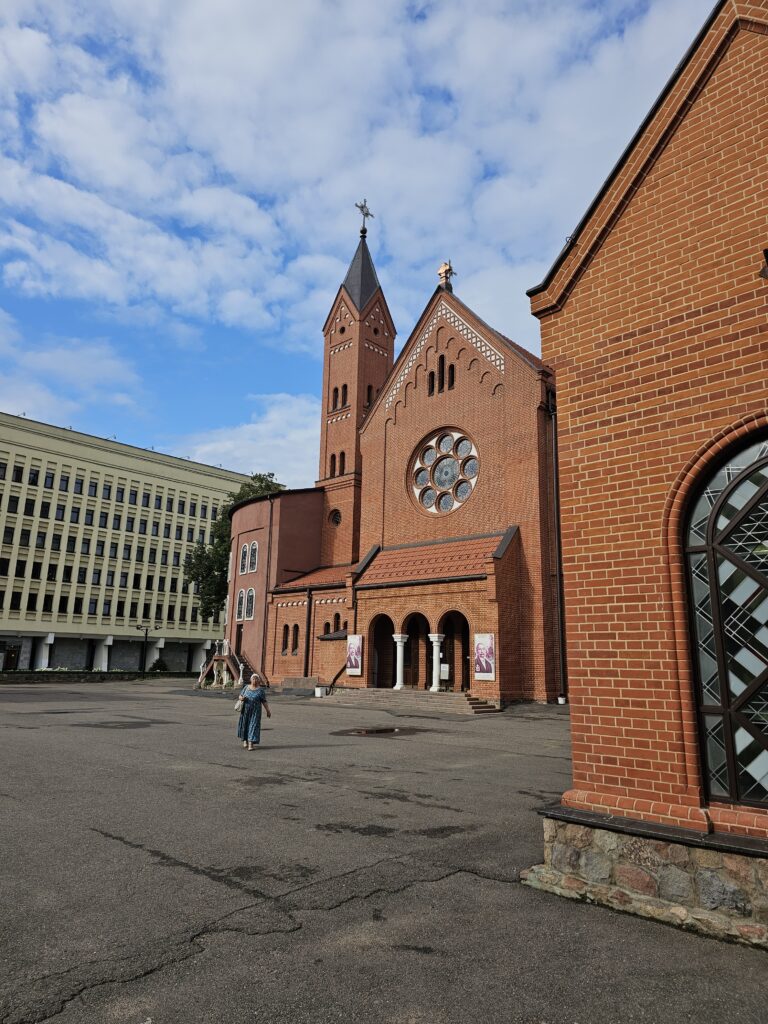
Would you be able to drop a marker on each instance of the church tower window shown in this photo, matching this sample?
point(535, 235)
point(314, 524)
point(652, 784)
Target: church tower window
point(441, 374)
point(240, 603)
point(285, 639)
point(295, 646)
point(243, 559)
point(451, 376)
point(343, 395)
point(335, 398)
point(369, 395)
point(253, 561)
point(431, 383)
point(342, 464)
point(333, 466)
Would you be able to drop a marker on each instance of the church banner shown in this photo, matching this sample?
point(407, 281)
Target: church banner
point(485, 656)
point(354, 655)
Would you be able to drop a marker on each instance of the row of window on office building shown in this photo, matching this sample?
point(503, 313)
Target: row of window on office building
point(103, 522)
point(79, 487)
point(99, 546)
point(91, 608)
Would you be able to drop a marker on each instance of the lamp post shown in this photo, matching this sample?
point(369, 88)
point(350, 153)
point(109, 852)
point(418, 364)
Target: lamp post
point(145, 630)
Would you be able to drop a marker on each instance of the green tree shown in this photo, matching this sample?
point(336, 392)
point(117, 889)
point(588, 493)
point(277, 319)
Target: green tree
point(206, 564)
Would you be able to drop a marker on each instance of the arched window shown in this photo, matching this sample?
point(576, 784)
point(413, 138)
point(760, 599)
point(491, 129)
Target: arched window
point(326, 629)
point(285, 639)
point(342, 463)
point(295, 645)
point(451, 376)
point(333, 466)
point(335, 398)
point(250, 600)
point(243, 558)
point(336, 622)
point(343, 395)
point(344, 625)
point(253, 561)
point(369, 395)
point(727, 566)
point(240, 602)
point(431, 382)
point(441, 373)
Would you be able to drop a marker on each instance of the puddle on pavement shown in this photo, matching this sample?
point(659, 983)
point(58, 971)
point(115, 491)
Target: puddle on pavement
point(381, 730)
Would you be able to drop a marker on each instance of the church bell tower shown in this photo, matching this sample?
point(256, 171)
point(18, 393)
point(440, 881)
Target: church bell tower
point(359, 353)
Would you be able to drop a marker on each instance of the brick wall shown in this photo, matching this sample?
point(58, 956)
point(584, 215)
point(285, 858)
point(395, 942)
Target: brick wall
point(655, 324)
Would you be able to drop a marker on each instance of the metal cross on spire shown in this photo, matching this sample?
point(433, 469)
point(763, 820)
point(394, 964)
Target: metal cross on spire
point(363, 208)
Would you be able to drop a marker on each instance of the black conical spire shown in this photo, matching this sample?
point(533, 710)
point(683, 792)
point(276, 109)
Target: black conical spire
point(361, 280)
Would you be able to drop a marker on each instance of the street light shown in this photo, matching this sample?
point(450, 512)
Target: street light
point(145, 630)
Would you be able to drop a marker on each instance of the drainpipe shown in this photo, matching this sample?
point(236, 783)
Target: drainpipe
point(266, 592)
point(559, 590)
point(307, 632)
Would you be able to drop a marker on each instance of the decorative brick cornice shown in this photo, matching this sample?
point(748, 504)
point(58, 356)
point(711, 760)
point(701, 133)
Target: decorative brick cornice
point(444, 312)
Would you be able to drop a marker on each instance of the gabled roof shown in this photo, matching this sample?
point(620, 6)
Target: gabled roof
point(361, 281)
point(456, 307)
point(642, 151)
point(454, 558)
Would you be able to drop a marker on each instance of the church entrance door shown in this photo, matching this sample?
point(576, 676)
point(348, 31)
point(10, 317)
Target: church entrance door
point(382, 648)
point(456, 651)
point(417, 666)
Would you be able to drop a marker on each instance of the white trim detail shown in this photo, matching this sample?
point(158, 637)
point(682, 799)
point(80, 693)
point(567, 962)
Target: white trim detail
point(462, 327)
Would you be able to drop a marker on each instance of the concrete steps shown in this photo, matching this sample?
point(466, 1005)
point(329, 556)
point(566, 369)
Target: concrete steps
point(413, 701)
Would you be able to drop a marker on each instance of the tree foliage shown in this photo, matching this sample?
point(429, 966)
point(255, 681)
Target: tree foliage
point(206, 564)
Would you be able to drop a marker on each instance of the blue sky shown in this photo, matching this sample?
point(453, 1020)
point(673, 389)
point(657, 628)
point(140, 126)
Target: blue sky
point(178, 179)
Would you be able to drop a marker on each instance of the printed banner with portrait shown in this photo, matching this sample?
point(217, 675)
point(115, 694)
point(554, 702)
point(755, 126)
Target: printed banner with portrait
point(354, 655)
point(485, 656)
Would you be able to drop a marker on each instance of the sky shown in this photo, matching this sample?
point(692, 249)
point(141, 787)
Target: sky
point(178, 180)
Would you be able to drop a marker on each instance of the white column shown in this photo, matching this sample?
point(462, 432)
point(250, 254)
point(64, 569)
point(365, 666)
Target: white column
point(437, 639)
point(101, 654)
point(400, 639)
point(43, 652)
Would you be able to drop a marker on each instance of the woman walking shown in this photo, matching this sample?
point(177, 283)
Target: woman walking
point(249, 725)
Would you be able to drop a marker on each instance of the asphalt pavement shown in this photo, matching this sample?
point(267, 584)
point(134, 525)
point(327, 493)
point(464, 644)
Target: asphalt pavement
point(152, 870)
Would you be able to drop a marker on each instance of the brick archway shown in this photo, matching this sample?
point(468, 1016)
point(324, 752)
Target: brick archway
point(381, 647)
point(454, 627)
point(715, 451)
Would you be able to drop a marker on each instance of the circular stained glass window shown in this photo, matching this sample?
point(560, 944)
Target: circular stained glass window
point(446, 472)
point(443, 472)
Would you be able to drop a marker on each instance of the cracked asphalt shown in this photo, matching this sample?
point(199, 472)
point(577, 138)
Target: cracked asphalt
point(154, 871)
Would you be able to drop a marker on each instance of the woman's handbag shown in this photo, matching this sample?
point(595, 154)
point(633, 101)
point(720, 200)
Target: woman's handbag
point(240, 705)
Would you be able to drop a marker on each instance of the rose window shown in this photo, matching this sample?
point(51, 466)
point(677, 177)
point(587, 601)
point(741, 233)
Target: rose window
point(444, 471)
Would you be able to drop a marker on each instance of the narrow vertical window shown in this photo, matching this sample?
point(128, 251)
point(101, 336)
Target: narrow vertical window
point(333, 466)
point(326, 629)
point(336, 622)
point(451, 376)
point(342, 464)
point(243, 559)
point(369, 395)
point(343, 395)
point(441, 374)
point(285, 639)
point(253, 561)
point(431, 382)
point(295, 647)
point(240, 603)
point(335, 404)
point(250, 601)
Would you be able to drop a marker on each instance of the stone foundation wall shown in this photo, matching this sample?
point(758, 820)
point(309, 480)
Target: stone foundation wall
point(721, 894)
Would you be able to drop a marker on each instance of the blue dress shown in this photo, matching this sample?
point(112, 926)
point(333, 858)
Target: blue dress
point(249, 722)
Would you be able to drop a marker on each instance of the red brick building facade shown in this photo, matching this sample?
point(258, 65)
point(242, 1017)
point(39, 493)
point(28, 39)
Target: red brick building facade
point(654, 320)
point(429, 533)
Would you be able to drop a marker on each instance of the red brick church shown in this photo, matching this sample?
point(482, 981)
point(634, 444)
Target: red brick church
point(424, 556)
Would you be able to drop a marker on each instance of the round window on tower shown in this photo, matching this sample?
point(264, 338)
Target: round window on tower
point(443, 471)
point(334, 517)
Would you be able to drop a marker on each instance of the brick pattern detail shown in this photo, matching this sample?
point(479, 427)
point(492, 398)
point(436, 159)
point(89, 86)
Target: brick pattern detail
point(656, 326)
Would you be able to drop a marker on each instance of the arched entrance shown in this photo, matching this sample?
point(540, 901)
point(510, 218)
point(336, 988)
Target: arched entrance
point(726, 545)
point(455, 651)
point(382, 648)
point(417, 656)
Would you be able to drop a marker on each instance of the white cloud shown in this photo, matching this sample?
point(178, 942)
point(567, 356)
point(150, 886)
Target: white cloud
point(51, 379)
point(198, 161)
point(282, 437)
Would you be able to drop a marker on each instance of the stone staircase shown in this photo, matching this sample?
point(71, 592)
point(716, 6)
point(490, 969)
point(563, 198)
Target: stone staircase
point(412, 701)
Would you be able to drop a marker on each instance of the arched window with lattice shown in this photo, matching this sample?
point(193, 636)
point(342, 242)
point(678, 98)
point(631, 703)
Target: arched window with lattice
point(253, 558)
point(726, 554)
